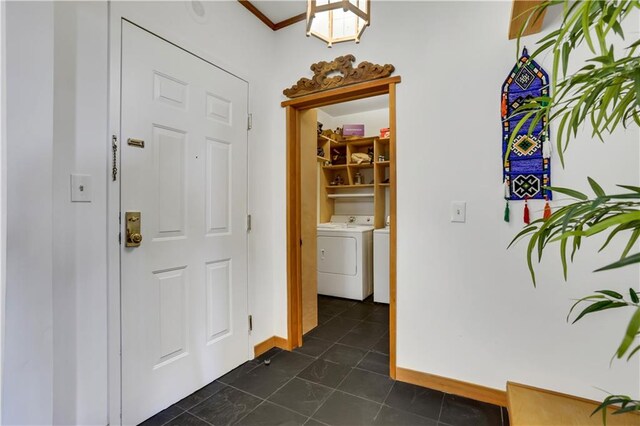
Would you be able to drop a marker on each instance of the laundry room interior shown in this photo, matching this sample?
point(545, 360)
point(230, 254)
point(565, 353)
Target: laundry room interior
point(348, 257)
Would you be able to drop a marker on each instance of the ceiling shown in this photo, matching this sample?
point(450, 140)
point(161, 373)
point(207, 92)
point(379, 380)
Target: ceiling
point(278, 11)
point(360, 105)
point(282, 13)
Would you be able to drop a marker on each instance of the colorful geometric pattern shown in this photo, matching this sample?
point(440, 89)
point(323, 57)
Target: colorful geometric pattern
point(526, 186)
point(524, 145)
point(525, 171)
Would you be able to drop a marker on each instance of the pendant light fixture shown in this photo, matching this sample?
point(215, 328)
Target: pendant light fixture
point(335, 21)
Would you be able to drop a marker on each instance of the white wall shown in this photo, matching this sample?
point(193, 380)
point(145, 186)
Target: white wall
point(466, 306)
point(80, 145)
point(3, 186)
point(373, 120)
point(56, 340)
point(28, 369)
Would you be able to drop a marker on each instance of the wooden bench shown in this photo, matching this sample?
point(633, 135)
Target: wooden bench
point(529, 406)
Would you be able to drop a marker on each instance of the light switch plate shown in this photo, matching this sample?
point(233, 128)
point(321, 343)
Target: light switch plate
point(81, 188)
point(459, 211)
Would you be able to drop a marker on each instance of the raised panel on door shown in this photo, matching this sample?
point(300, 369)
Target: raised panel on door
point(219, 307)
point(169, 146)
point(171, 325)
point(218, 187)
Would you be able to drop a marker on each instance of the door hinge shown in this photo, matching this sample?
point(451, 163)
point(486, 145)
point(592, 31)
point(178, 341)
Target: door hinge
point(249, 121)
point(120, 238)
point(114, 148)
point(250, 322)
point(248, 223)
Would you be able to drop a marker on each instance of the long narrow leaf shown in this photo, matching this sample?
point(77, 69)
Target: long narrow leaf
point(630, 334)
point(630, 260)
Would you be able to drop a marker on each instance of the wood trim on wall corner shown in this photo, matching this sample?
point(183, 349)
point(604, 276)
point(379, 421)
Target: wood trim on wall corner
point(290, 21)
point(268, 22)
point(452, 386)
point(271, 342)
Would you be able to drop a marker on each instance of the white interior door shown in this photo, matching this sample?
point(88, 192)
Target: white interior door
point(184, 289)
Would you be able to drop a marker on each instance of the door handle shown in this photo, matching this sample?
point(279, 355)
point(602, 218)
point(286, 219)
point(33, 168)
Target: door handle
point(134, 237)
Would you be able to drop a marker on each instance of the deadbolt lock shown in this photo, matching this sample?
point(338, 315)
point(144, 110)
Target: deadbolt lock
point(134, 237)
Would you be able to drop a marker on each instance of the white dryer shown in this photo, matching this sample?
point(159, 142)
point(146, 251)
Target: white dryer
point(345, 257)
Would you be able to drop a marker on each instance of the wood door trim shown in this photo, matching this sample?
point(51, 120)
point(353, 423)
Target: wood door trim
point(294, 284)
point(343, 94)
point(392, 231)
point(453, 386)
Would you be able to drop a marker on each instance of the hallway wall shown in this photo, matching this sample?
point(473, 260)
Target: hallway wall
point(466, 306)
point(56, 341)
point(28, 357)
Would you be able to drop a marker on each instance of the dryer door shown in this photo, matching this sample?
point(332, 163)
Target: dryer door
point(337, 255)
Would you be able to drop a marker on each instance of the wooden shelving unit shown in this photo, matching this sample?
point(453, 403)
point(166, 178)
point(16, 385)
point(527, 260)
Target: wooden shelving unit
point(338, 173)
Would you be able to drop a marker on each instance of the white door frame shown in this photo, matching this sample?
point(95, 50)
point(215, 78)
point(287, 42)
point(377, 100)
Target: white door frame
point(116, 17)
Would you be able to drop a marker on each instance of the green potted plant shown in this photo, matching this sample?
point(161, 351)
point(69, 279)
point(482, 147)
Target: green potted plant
point(605, 93)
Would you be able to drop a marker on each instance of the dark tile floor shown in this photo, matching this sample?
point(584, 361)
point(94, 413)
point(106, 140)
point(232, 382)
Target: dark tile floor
point(339, 377)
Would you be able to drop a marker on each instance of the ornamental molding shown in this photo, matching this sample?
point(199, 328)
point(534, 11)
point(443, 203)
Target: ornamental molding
point(337, 73)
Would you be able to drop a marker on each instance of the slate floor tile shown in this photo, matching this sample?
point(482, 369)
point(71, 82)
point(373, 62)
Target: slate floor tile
point(186, 419)
point(367, 385)
point(290, 363)
point(334, 329)
point(237, 372)
point(269, 414)
point(382, 346)
point(371, 329)
point(226, 407)
point(460, 411)
point(343, 409)
point(262, 381)
point(393, 417)
point(200, 395)
point(301, 396)
point(349, 350)
point(376, 362)
point(163, 416)
point(324, 317)
point(415, 399)
point(313, 422)
point(346, 355)
point(380, 315)
point(314, 347)
point(325, 372)
point(359, 311)
point(359, 340)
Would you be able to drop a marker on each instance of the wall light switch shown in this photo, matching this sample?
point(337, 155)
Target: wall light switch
point(458, 211)
point(81, 188)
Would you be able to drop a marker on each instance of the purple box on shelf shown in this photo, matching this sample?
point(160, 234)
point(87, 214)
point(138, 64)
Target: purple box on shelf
point(353, 130)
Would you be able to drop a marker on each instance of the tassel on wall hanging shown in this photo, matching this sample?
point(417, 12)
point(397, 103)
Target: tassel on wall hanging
point(527, 168)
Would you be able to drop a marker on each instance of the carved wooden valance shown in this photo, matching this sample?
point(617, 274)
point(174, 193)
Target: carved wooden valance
point(337, 73)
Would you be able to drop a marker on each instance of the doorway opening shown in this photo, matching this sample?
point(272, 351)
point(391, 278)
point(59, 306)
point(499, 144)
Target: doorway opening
point(347, 180)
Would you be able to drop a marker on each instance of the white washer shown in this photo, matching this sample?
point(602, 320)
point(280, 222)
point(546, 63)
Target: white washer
point(381, 265)
point(345, 257)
